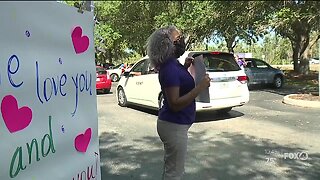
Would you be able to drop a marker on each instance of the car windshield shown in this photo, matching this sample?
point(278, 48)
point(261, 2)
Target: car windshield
point(116, 67)
point(101, 70)
point(220, 62)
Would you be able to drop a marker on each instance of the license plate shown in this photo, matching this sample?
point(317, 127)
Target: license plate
point(98, 79)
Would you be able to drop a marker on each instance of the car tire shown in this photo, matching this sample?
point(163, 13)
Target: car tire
point(114, 77)
point(277, 82)
point(122, 99)
point(161, 100)
point(224, 110)
point(248, 85)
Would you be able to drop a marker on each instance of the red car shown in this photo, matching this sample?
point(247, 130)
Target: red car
point(103, 81)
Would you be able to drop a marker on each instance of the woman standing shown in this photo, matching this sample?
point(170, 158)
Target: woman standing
point(177, 114)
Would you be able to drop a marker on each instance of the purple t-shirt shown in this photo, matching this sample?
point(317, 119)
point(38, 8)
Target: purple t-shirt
point(172, 73)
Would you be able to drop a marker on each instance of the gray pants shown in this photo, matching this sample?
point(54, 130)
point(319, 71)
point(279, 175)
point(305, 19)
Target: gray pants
point(175, 139)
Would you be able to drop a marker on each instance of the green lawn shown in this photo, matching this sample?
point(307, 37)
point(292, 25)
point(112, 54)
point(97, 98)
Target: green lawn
point(307, 83)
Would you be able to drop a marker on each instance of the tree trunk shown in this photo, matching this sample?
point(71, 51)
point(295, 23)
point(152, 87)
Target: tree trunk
point(188, 41)
point(300, 46)
point(300, 59)
point(109, 55)
point(230, 44)
point(304, 67)
point(230, 49)
point(295, 56)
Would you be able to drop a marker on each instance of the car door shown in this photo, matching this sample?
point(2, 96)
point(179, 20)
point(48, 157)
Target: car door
point(251, 71)
point(264, 72)
point(150, 86)
point(133, 83)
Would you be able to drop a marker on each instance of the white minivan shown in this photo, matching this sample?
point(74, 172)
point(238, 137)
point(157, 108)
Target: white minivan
point(228, 88)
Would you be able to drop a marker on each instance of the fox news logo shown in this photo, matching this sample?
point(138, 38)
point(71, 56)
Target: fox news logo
point(296, 156)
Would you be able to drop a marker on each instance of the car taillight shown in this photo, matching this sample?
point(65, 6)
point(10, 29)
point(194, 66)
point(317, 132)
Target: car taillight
point(215, 52)
point(243, 79)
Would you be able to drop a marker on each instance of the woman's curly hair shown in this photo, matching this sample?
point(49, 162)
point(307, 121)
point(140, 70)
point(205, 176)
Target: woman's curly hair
point(160, 46)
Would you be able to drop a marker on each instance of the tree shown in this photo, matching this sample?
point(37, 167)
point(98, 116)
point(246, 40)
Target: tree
point(109, 42)
point(189, 17)
point(135, 20)
point(234, 21)
point(295, 20)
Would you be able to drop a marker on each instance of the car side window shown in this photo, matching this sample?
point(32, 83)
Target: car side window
point(141, 68)
point(138, 67)
point(150, 69)
point(261, 64)
point(249, 64)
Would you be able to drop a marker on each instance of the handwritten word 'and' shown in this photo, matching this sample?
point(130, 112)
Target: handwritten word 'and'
point(32, 148)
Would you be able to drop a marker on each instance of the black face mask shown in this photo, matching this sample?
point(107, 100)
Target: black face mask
point(179, 47)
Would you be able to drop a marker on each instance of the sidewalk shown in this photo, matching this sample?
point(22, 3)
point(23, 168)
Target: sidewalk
point(293, 99)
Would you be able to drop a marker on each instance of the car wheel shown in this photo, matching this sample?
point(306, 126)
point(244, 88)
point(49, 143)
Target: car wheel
point(224, 110)
point(278, 82)
point(114, 77)
point(248, 85)
point(161, 101)
point(122, 99)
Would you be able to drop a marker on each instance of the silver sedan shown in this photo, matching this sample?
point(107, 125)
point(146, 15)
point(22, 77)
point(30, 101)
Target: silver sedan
point(260, 72)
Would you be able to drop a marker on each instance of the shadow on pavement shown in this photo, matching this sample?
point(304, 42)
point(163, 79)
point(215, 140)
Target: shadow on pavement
point(144, 109)
point(119, 161)
point(225, 156)
point(285, 90)
point(245, 157)
point(204, 116)
point(208, 116)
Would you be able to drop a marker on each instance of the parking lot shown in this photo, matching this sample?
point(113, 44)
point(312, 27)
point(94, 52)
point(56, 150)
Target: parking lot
point(264, 139)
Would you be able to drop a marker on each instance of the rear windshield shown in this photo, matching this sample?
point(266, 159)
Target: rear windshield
point(219, 62)
point(101, 71)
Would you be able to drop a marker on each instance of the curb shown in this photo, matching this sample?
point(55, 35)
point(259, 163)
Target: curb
point(302, 103)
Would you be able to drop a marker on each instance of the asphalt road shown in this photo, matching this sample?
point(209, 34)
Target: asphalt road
point(265, 139)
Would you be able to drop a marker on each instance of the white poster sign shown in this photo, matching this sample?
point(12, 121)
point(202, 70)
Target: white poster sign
point(48, 118)
point(198, 71)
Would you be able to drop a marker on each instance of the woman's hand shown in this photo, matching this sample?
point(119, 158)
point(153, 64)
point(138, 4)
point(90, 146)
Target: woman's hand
point(188, 62)
point(177, 102)
point(205, 82)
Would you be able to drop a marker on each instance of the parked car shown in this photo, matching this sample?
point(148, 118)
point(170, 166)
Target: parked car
point(260, 72)
point(115, 72)
point(107, 65)
point(314, 61)
point(103, 81)
point(228, 87)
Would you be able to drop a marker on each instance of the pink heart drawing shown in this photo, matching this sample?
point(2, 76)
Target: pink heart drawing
point(14, 117)
point(80, 43)
point(81, 142)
